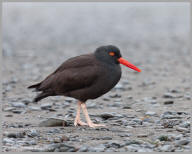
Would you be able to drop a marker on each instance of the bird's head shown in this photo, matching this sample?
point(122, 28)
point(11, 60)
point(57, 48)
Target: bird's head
point(111, 54)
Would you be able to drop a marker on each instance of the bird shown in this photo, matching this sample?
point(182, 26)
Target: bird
point(84, 77)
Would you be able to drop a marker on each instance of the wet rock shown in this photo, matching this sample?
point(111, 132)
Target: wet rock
point(18, 104)
point(182, 142)
point(168, 102)
point(51, 122)
point(46, 106)
point(166, 148)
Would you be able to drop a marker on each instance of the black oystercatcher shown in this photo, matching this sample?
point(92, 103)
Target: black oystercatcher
point(85, 77)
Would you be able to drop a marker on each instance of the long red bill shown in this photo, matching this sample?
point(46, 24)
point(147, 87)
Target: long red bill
point(128, 64)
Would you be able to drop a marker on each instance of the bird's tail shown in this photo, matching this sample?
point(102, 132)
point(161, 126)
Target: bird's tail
point(36, 86)
point(41, 96)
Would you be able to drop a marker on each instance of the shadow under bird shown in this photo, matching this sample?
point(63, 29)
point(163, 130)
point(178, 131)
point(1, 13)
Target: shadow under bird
point(85, 77)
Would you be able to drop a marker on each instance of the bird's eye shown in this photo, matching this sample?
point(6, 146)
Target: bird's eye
point(111, 53)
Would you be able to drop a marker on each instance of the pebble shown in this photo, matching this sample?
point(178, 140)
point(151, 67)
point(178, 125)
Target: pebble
point(51, 122)
point(92, 105)
point(185, 124)
point(18, 105)
point(163, 138)
point(169, 95)
point(7, 109)
point(168, 102)
point(115, 95)
point(182, 142)
point(166, 148)
point(34, 108)
point(150, 113)
point(97, 148)
point(8, 141)
point(18, 111)
point(106, 116)
point(69, 99)
point(181, 129)
point(46, 106)
point(33, 133)
point(15, 134)
point(127, 106)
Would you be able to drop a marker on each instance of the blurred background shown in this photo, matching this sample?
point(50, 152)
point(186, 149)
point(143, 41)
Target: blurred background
point(85, 26)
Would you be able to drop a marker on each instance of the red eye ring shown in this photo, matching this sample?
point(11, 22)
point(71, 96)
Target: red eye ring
point(111, 53)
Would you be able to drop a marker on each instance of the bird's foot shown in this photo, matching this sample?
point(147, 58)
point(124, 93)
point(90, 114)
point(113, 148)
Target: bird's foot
point(96, 125)
point(79, 123)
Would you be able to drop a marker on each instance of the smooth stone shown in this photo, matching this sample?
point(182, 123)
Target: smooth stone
point(33, 133)
point(168, 102)
point(169, 95)
point(115, 95)
point(34, 108)
point(181, 129)
point(51, 122)
point(182, 142)
point(7, 109)
point(18, 111)
point(46, 106)
point(18, 105)
point(16, 134)
point(9, 141)
point(106, 116)
point(69, 99)
point(185, 124)
point(97, 148)
point(150, 113)
point(167, 148)
point(163, 138)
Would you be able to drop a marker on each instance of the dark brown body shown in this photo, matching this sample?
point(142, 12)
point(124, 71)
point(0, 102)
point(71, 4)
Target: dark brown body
point(83, 77)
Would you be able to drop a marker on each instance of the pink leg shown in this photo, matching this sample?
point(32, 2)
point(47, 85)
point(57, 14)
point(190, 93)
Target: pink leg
point(77, 120)
point(89, 122)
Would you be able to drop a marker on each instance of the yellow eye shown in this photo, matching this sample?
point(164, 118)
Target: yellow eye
point(111, 53)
